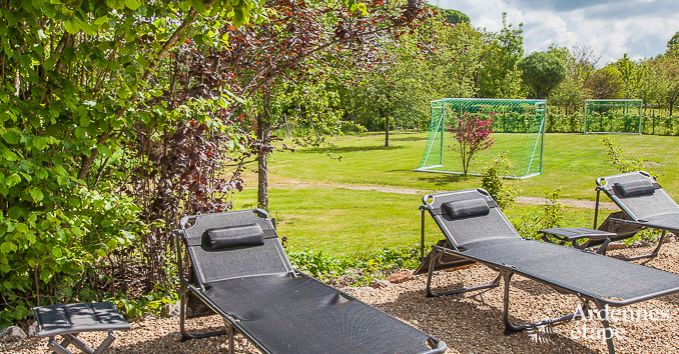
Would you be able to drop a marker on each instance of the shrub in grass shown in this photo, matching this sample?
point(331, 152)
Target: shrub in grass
point(472, 133)
point(615, 153)
point(493, 182)
point(548, 216)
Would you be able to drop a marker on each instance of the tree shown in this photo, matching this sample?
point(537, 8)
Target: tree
point(434, 60)
point(499, 74)
point(543, 71)
point(668, 68)
point(472, 133)
point(673, 45)
point(586, 59)
point(569, 94)
point(296, 40)
point(648, 86)
point(80, 92)
point(605, 83)
point(629, 74)
point(455, 17)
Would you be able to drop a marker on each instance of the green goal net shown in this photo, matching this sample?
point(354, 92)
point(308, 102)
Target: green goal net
point(613, 116)
point(516, 129)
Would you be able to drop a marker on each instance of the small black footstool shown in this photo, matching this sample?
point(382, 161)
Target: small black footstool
point(69, 320)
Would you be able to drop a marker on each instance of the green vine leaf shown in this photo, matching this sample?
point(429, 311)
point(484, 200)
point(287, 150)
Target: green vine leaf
point(132, 4)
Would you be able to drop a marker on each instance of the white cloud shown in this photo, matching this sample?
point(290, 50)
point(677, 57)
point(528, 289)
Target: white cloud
point(640, 28)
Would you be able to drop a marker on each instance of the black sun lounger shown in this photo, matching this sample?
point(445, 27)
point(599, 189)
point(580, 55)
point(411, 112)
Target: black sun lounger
point(644, 204)
point(477, 230)
point(240, 270)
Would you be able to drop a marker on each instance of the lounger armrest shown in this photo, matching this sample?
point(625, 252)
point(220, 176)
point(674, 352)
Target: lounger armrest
point(632, 222)
point(569, 234)
point(179, 243)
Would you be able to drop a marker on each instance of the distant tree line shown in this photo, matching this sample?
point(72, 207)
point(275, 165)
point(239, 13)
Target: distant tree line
point(447, 57)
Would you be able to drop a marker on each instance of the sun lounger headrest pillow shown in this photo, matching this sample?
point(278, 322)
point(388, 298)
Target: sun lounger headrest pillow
point(466, 208)
point(635, 188)
point(249, 235)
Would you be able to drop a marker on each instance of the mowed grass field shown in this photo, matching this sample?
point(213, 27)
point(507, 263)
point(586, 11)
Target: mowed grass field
point(316, 210)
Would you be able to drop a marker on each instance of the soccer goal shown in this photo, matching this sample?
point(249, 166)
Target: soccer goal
point(514, 129)
point(613, 116)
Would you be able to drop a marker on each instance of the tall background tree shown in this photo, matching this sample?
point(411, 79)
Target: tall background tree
point(543, 71)
point(437, 59)
point(605, 83)
point(499, 75)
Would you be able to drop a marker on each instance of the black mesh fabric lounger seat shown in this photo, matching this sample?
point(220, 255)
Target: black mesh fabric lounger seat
point(68, 320)
point(644, 204)
point(477, 230)
point(240, 270)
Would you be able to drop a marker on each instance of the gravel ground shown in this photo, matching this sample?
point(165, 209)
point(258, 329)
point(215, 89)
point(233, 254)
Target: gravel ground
point(470, 323)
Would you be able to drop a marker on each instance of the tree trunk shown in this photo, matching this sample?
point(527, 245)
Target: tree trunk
point(264, 137)
point(386, 131)
point(287, 126)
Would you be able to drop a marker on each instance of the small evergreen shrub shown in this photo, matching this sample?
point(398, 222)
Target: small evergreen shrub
point(492, 181)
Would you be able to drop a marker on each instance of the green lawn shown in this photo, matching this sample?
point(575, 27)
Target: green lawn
point(314, 213)
point(350, 222)
point(571, 161)
point(516, 147)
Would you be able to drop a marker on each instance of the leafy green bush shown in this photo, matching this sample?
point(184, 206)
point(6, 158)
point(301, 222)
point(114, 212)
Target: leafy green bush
point(152, 302)
point(356, 270)
point(46, 255)
point(493, 182)
point(348, 127)
point(83, 112)
point(548, 216)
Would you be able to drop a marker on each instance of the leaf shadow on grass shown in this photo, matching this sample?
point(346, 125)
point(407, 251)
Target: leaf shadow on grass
point(442, 179)
point(410, 138)
point(479, 321)
point(350, 149)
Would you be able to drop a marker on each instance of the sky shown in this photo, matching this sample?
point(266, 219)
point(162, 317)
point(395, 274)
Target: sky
point(612, 28)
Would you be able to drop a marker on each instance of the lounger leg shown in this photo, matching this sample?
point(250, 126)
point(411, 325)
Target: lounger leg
point(512, 328)
point(607, 328)
point(604, 247)
point(182, 315)
point(655, 251)
point(185, 335)
point(71, 338)
point(59, 348)
point(421, 234)
point(660, 242)
point(232, 347)
point(106, 343)
point(435, 255)
point(66, 341)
